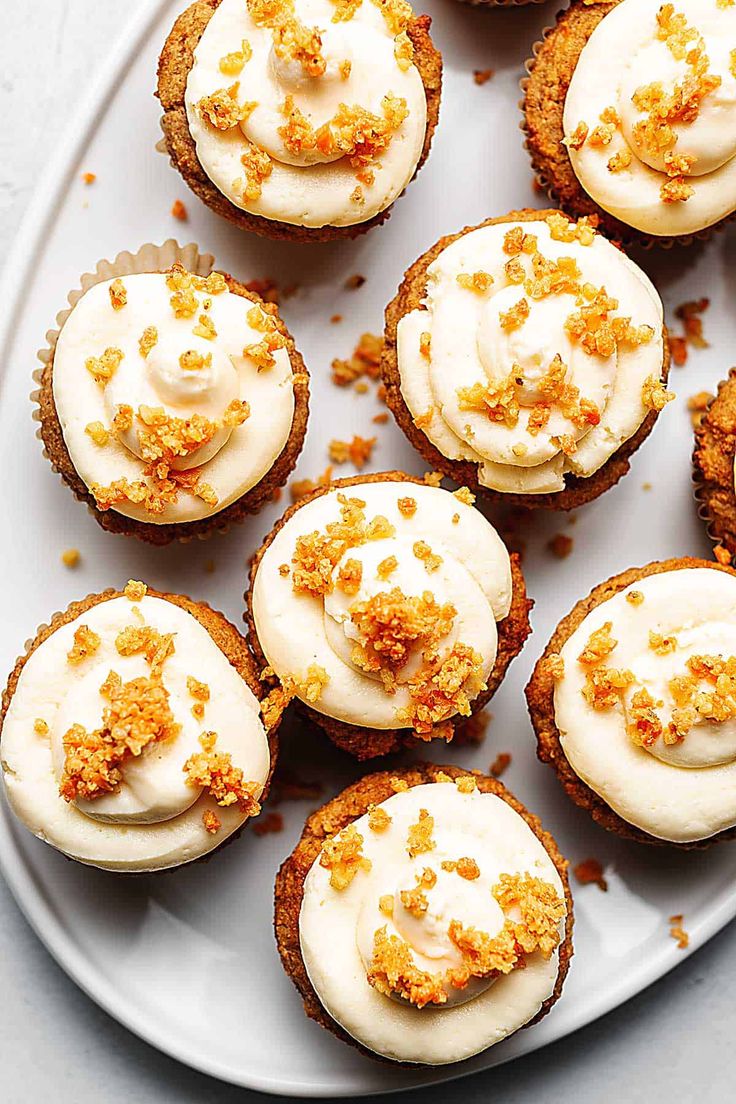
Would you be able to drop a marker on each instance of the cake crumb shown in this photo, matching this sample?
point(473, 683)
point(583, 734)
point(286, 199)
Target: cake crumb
point(590, 872)
point(698, 405)
point(89, 178)
point(343, 856)
point(300, 488)
point(482, 76)
point(500, 764)
point(71, 557)
point(335, 318)
point(362, 365)
point(358, 451)
point(179, 211)
point(268, 824)
point(354, 282)
point(380, 419)
point(678, 933)
point(560, 545)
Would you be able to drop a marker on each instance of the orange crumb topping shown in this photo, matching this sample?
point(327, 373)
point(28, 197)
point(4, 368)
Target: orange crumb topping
point(419, 840)
point(211, 821)
point(500, 764)
point(71, 557)
point(343, 856)
point(215, 773)
point(590, 872)
point(378, 818)
point(364, 362)
point(137, 713)
point(86, 643)
point(358, 451)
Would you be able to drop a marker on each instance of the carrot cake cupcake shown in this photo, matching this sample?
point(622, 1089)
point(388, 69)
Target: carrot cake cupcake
point(132, 737)
point(713, 462)
point(425, 916)
point(299, 119)
point(173, 404)
point(526, 358)
point(634, 703)
point(631, 114)
point(390, 609)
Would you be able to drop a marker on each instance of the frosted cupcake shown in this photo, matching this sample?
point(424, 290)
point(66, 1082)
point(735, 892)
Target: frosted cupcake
point(714, 466)
point(631, 115)
point(299, 119)
point(526, 358)
point(389, 609)
point(634, 703)
point(132, 737)
point(425, 916)
point(172, 403)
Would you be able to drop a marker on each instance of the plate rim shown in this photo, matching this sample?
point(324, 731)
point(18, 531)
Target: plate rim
point(24, 250)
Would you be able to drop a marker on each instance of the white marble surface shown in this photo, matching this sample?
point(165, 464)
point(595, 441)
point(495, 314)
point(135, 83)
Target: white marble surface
point(673, 1042)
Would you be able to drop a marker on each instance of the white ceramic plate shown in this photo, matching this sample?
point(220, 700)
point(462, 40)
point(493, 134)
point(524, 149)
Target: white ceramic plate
point(187, 960)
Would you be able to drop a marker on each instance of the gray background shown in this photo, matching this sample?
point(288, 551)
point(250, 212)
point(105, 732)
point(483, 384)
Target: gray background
point(675, 1041)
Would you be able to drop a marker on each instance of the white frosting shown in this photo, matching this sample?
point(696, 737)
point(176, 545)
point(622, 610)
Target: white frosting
point(684, 791)
point(297, 631)
point(468, 346)
point(309, 188)
point(336, 927)
point(623, 55)
point(236, 459)
point(154, 819)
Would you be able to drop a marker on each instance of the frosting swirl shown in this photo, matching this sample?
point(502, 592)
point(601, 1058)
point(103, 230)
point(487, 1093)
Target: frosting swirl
point(413, 919)
point(116, 720)
point(645, 702)
point(175, 396)
point(650, 115)
point(378, 606)
point(538, 351)
point(309, 112)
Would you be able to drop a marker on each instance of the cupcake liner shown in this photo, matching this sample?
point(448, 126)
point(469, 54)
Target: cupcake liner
point(75, 609)
point(160, 258)
point(622, 232)
point(700, 491)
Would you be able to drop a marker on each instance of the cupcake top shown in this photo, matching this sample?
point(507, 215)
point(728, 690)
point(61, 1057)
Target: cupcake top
point(130, 742)
point(645, 702)
point(650, 115)
point(175, 395)
point(537, 351)
point(429, 927)
point(377, 606)
point(308, 112)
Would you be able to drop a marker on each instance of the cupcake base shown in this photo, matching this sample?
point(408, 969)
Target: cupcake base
point(540, 700)
point(713, 466)
point(174, 65)
point(348, 806)
point(55, 449)
point(223, 634)
point(368, 743)
point(550, 71)
point(578, 490)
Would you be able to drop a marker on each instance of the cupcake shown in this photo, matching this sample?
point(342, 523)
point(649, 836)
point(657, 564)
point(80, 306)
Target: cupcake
point(388, 608)
point(299, 119)
point(425, 916)
point(173, 402)
point(631, 115)
point(713, 465)
point(634, 703)
point(132, 737)
point(525, 358)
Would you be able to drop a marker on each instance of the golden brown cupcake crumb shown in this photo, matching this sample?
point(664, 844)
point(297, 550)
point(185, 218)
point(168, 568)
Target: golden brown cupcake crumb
point(678, 933)
point(590, 872)
point(500, 764)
